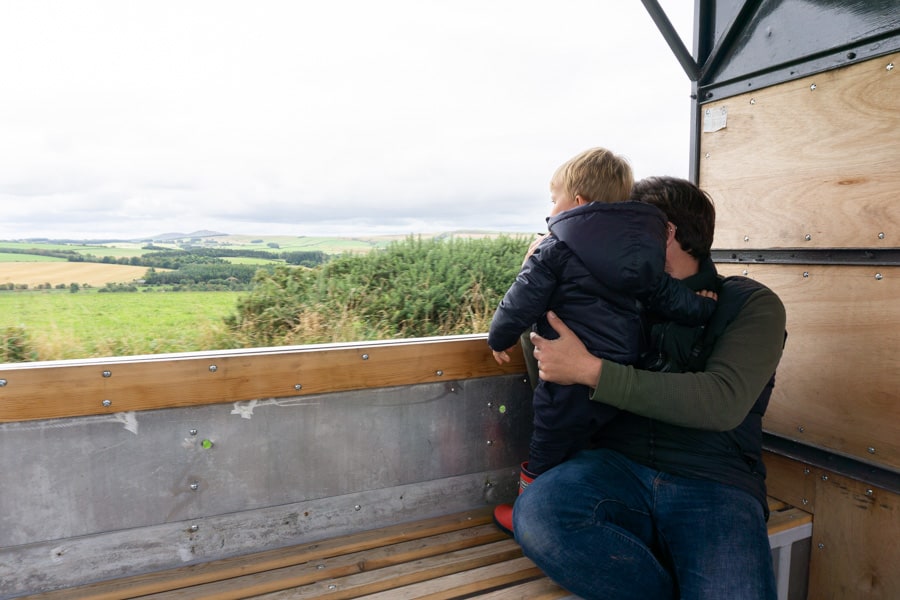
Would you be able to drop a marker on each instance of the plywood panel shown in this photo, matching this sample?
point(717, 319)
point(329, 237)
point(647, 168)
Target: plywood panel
point(74, 388)
point(856, 547)
point(838, 384)
point(791, 481)
point(809, 163)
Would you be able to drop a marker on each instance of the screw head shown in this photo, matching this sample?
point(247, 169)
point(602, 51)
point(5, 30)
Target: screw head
point(107, 373)
point(365, 357)
point(298, 387)
point(213, 368)
point(439, 373)
point(195, 486)
point(2, 383)
point(107, 403)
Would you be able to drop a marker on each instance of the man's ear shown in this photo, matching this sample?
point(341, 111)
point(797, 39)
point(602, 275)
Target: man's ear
point(670, 232)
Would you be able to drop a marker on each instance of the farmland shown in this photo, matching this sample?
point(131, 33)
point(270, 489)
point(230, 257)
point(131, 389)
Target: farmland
point(68, 300)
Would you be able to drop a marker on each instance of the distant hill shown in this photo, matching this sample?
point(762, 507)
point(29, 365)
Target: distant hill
point(168, 237)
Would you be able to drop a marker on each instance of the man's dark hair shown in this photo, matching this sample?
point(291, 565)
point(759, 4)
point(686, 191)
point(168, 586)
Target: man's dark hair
point(688, 207)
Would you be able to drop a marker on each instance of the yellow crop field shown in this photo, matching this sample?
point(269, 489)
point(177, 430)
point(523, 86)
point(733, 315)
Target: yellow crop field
point(54, 273)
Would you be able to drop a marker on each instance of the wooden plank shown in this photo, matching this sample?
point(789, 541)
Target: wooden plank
point(73, 388)
point(838, 384)
point(373, 560)
point(788, 518)
point(796, 160)
point(465, 584)
point(792, 482)
point(855, 545)
point(397, 576)
point(477, 521)
point(539, 589)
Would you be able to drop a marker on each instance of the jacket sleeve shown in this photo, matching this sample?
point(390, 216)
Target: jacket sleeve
point(675, 301)
point(719, 398)
point(528, 297)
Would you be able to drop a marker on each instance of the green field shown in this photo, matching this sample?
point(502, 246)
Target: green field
point(12, 257)
point(62, 325)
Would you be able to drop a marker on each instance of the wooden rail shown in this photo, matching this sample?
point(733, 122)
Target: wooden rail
point(56, 389)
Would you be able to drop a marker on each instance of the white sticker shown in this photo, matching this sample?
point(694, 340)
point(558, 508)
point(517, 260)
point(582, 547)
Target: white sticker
point(715, 119)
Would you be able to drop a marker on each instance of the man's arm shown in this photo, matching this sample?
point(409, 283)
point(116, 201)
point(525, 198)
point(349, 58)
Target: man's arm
point(719, 398)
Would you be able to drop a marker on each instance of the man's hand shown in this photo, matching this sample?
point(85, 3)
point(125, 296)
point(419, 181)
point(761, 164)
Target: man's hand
point(565, 360)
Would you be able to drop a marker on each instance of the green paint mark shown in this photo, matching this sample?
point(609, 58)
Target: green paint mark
point(502, 409)
point(207, 444)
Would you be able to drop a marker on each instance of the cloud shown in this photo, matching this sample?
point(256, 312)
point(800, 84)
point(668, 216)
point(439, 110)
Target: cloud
point(139, 117)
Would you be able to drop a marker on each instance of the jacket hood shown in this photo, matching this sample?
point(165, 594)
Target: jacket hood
point(622, 242)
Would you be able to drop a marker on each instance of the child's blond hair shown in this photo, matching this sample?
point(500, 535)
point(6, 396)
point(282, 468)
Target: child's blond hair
point(597, 175)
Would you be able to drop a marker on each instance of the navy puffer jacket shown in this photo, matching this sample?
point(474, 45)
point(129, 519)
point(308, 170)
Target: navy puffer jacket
point(599, 268)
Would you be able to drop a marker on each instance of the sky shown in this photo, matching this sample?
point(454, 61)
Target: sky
point(129, 118)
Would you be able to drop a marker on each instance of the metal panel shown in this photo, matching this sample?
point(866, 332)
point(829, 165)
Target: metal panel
point(773, 41)
point(79, 476)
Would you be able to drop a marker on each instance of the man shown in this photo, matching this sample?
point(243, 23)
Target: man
point(672, 502)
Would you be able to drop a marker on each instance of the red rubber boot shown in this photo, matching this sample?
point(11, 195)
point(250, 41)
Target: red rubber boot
point(503, 513)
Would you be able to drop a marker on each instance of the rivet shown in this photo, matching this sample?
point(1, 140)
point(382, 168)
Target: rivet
point(195, 486)
point(2, 383)
point(806, 470)
point(890, 66)
point(824, 477)
point(807, 237)
point(869, 492)
point(332, 587)
point(107, 373)
point(880, 235)
point(490, 442)
point(365, 357)
point(106, 403)
point(357, 507)
point(752, 100)
point(439, 373)
point(298, 387)
point(706, 155)
point(871, 450)
point(806, 274)
point(213, 368)
point(746, 238)
point(800, 428)
point(193, 432)
point(878, 276)
point(193, 528)
point(490, 404)
point(745, 272)
point(821, 546)
point(812, 88)
point(851, 55)
point(320, 567)
point(804, 501)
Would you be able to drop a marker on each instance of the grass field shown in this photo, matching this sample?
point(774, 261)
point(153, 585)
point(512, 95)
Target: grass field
point(62, 325)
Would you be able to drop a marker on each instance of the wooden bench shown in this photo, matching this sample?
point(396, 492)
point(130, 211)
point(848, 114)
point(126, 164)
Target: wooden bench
point(456, 556)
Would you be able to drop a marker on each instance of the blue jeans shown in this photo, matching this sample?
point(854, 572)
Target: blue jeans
point(603, 526)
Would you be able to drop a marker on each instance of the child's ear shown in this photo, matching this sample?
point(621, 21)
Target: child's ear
point(579, 200)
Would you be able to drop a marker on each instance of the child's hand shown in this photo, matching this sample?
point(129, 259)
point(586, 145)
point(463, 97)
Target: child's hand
point(501, 357)
point(708, 294)
point(533, 246)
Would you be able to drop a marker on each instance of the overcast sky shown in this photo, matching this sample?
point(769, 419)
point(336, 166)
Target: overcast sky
point(128, 118)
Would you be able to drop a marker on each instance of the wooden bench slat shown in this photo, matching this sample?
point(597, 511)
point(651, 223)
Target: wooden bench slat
point(465, 583)
point(786, 519)
point(388, 578)
point(332, 568)
point(539, 589)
